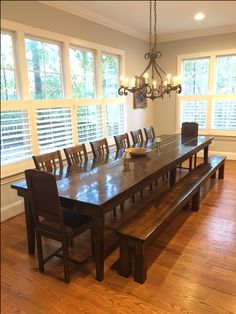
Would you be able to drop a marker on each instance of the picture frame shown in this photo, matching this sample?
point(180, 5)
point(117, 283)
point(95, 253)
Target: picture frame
point(139, 101)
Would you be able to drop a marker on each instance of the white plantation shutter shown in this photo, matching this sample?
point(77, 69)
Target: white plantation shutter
point(115, 119)
point(194, 111)
point(209, 92)
point(89, 120)
point(15, 136)
point(224, 115)
point(54, 126)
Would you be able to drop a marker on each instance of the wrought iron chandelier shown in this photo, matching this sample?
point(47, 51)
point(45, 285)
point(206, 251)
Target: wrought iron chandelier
point(156, 87)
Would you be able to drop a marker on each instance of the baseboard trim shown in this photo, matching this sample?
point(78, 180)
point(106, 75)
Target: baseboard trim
point(229, 155)
point(12, 210)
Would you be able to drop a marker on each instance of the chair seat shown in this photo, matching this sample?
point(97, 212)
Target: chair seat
point(73, 222)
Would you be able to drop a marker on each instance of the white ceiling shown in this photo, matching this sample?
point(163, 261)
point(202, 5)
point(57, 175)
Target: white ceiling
point(175, 19)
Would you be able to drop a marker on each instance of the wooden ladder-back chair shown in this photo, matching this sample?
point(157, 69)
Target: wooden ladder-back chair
point(137, 136)
point(190, 130)
point(100, 148)
point(76, 154)
point(50, 219)
point(48, 162)
point(122, 141)
point(149, 133)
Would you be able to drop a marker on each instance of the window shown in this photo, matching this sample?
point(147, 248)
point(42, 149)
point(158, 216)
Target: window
point(89, 123)
point(64, 88)
point(195, 76)
point(15, 136)
point(209, 92)
point(110, 75)
point(115, 119)
point(8, 75)
point(82, 73)
point(44, 69)
point(54, 127)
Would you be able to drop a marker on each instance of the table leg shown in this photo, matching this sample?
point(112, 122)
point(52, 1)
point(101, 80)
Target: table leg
point(172, 177)
point(30, 228)
point(98, 242)
point(206, 154)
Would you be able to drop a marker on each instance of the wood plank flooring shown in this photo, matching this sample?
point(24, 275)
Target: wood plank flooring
point(192, 267)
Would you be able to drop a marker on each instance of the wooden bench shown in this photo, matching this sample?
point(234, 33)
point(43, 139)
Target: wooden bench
point(137, 233)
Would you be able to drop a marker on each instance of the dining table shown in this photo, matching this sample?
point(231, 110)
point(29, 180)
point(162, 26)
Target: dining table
point(97, 186)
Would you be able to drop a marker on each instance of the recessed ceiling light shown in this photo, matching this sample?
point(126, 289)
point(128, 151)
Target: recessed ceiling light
point(199, 16)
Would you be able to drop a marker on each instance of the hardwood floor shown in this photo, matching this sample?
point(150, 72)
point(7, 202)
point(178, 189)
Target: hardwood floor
point(192, 267)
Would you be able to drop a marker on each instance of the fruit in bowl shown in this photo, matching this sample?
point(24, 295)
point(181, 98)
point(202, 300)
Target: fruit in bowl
point(137, 151)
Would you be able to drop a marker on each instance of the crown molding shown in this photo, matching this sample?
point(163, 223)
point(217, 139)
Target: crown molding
point(97, 18)
point(198, 33)
point(94, 17)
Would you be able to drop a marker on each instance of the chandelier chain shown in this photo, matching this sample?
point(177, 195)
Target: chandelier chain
point(155, 25)
point(153, 86)
point(150, 25)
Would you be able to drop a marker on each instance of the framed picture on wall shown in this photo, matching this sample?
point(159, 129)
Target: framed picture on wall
point(139, 101)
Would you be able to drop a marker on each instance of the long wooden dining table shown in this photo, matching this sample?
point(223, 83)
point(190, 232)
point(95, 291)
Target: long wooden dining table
point(97, 186)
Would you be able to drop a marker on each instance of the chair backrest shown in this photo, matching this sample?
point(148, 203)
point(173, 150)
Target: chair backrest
point(48, 162)
point(189, 129)
point(76, 154)
point(122, 141)
point(137, 136)
point(43, 196)
point(99, 148)
point(149, 133)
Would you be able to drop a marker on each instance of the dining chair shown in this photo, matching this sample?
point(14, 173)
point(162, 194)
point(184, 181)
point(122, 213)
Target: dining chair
point(149, 133)
point(76, 154)
point(189, 130)
point(48, 162)
point(99, 148)
point(137, 136)
point(52, 221)
point(122, 141)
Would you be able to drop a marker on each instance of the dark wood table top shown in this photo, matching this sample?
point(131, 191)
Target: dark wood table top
point(99, 182)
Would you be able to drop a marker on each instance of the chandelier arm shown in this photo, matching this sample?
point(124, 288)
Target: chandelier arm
point(156, 68)
point(148, 66)
point(160, 68)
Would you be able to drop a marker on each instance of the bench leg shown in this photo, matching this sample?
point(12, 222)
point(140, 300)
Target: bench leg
point(125, 261)
point(222, 171)
point(190, 163)
point(213, 176)
point(140, 262)
point(196, 201)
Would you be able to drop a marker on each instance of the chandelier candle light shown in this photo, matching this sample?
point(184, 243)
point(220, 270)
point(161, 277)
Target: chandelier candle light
point(156, 87)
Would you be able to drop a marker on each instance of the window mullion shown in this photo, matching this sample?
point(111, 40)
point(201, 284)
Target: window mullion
point(66, 81)
point(98, 74)
point(33, 129)
point(74, 124)
point(22, 76)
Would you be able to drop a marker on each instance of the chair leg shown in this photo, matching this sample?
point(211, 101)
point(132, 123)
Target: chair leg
point(122, 206)
point(114, 211)
point(195, 160)
point(133, 198)
point(40, 252)
point(65, 245)
point(72, 243)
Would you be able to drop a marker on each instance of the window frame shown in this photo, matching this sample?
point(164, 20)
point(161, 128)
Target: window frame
point(25, 102)
point(211, 96)
point(12, 34)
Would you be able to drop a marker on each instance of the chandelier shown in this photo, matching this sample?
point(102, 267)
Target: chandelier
point(155, 87)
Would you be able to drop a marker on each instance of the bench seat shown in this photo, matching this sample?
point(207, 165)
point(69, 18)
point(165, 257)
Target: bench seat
point(136, 234)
